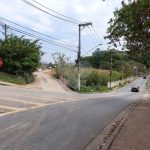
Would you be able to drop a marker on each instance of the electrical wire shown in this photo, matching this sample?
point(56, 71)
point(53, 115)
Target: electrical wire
point(93, 35)
point(13, 28)
point(90, 36)
point(31, 30)
point(57, 12)
point(44, 40)
point(39, 38)
point(83, 48)
point(90, 50)
point(55, 49)
point(25, 1)
point(98, 36)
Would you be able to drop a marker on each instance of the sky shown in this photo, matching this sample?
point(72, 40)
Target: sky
point(57, 24)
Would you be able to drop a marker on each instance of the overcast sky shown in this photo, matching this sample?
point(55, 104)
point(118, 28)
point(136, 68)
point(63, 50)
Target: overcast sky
point(60, 31)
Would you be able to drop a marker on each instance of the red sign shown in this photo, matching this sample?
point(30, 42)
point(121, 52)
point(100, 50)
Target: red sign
point(1, 62)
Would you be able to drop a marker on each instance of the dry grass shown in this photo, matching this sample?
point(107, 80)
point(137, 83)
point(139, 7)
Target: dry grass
point(52, 72)
point(101, 71)
point(82, 70)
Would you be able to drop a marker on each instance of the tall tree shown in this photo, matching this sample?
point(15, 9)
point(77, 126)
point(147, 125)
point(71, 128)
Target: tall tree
point(132, 24)
point(20, 56)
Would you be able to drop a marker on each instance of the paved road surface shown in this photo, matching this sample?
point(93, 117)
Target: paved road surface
point(42, 120)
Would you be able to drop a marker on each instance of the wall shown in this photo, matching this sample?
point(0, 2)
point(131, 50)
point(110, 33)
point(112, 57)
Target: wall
point(115, 83)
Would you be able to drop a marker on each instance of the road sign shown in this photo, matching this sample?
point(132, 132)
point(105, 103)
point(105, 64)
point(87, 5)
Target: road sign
point(1, 62)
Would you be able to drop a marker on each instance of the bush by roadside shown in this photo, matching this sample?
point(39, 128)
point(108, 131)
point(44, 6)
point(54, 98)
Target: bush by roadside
point(91, 89)
point(92, 80)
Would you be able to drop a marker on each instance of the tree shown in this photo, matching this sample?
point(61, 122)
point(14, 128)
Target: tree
point(20, 56)
point(60, 59)
point(132, 24)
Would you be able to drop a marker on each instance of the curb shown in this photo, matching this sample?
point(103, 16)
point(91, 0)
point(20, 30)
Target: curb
point(129, 110)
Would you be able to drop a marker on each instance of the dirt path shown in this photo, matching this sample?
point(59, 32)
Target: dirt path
point(45, 82)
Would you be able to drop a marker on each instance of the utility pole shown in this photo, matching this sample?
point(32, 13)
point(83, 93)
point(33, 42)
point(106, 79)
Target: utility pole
point(5, 28)
point(79, 49)
point(110, 70)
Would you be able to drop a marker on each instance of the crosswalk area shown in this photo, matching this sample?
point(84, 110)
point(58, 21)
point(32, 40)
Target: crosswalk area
point(12, 103)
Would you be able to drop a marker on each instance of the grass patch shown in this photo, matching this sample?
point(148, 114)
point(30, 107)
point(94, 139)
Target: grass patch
point(92, 89)
point(16, 80)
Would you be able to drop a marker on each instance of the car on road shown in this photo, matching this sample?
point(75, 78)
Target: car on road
point(144, 77)
point(135, 88)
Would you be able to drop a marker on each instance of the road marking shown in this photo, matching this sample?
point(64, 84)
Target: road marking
point(11, 108)
point(15, 100)
point(30, 97)
point(16, 110)
point(39, 105)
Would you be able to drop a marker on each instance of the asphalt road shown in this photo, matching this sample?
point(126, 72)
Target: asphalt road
point(41, 120)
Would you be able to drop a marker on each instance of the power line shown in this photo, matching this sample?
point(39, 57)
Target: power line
point(83, 48)
point(39, 38)
point(98, 36)
point(55, 49)
point(91, 50)
point(13, 28)
point(25, 1)
point(93, 35)
point(56, 12)
point(31, 29)
point(90, 36)
point(44, 40)
point(8, 28)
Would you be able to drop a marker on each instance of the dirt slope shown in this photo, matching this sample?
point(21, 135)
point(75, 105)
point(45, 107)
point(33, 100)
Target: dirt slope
point(44, 81)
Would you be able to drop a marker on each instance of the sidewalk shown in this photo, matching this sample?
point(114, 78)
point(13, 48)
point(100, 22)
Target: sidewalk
point(135, 132)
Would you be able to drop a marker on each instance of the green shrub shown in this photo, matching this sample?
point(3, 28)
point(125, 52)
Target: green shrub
point(90, 89)
point(104, 79)
point(93, 79)
point(116, 76)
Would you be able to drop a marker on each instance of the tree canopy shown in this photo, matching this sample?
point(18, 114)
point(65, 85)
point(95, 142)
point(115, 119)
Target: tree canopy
point(20, 56)
point(132, 25)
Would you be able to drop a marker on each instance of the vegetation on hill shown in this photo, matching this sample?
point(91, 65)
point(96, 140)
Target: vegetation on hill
point(20, 56)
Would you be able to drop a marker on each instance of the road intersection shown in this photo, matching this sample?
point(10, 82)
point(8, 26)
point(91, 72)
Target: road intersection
point(35, 119)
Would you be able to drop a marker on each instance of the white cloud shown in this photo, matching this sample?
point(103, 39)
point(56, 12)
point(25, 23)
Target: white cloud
point(96, 11)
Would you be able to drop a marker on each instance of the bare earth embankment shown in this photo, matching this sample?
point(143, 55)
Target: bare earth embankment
point(43, 81)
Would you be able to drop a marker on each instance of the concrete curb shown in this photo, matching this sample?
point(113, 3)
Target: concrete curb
point(111, 138)
point(129, 110)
